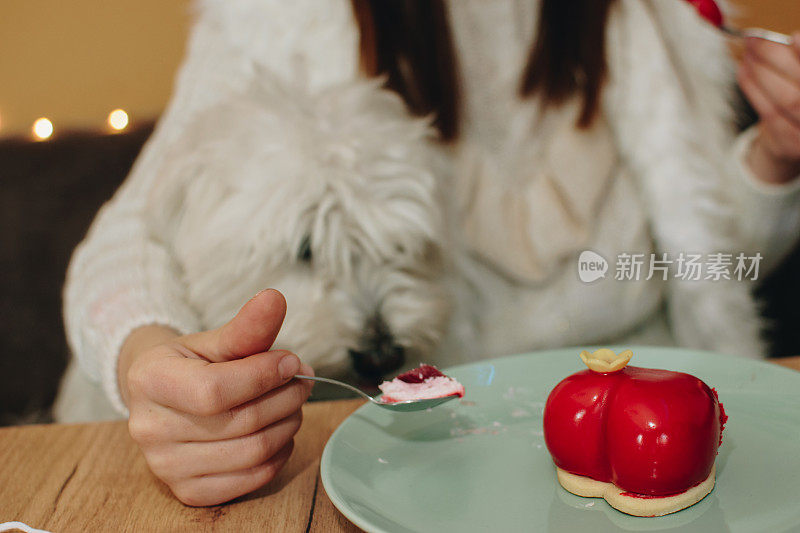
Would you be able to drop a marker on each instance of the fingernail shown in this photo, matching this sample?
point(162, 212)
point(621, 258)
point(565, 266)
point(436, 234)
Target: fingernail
point(259, 293)
point(289, 366)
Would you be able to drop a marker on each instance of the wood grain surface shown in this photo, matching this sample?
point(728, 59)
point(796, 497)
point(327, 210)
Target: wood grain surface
point(788, 362)
point(91, 477)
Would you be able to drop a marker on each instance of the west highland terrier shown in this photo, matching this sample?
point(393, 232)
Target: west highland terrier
point(328, 197)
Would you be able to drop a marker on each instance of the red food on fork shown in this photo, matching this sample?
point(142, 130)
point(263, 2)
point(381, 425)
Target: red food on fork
point(644, 439)
point(709, 10)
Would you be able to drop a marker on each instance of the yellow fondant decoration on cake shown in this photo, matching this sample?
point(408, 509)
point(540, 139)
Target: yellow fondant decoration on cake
point(605, 360)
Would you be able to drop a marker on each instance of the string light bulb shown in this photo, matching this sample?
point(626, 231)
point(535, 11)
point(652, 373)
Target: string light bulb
point(42, 129)
point(118, 120)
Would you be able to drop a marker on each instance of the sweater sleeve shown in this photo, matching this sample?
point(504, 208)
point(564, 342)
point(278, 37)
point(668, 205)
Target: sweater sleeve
point(769, 214)
point(670, 98)
point(122, 275)
point(120, 278)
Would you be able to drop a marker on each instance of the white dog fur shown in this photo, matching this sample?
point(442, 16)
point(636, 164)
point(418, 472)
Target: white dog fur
point(344, 170)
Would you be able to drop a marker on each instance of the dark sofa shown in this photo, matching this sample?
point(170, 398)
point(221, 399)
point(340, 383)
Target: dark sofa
point(50, 194)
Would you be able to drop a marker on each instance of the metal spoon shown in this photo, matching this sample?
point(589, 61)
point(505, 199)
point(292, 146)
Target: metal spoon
point(759, 33)
point(404, 406)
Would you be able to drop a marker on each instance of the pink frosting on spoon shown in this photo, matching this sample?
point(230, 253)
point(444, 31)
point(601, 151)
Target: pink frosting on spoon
point(422, 383)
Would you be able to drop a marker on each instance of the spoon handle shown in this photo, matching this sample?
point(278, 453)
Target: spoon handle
point(759, 33)
point(339, 383)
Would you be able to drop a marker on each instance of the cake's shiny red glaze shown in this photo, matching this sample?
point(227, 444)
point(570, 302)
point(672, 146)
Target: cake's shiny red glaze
point(574, 423)
point(420, 374)
point(646, 496)
point(652, 432)
point(709, 10)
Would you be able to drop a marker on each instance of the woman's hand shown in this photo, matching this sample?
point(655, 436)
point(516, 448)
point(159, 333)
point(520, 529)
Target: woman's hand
point(769, 76)
point(215, 413)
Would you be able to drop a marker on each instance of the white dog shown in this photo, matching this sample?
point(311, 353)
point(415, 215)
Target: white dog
point(329, 198)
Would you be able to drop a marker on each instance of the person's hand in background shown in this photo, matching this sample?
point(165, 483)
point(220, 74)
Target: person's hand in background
point(215, 412)
point(769, 75)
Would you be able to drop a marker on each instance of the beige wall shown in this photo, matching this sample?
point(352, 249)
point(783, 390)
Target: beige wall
point(75, 60)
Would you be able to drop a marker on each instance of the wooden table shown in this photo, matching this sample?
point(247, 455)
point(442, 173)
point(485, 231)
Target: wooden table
point(91, 477)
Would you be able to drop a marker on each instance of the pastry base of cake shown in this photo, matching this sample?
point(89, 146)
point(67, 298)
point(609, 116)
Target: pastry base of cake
point(635, 505)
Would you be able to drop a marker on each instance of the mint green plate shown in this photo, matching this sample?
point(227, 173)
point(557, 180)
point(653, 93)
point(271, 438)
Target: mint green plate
point(481, 465)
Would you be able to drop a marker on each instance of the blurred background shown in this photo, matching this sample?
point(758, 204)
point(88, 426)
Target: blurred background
point(81, 84)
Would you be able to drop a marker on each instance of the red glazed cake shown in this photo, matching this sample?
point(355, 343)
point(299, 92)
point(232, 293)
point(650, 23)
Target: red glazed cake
point(643, 439)
point(709, 10)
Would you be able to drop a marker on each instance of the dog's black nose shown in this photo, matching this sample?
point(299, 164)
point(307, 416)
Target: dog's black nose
point(380, 357)
point(377, 353)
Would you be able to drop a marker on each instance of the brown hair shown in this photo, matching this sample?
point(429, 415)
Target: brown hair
point(409, 42)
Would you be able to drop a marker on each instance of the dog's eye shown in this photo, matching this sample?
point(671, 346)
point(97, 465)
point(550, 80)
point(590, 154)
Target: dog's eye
point(432, 254)
point(304, 253)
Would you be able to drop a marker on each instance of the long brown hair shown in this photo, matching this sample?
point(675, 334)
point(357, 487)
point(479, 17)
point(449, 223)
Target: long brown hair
point(409, 42)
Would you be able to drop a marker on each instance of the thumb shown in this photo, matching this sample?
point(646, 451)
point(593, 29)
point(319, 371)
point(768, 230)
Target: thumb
point(251, 331)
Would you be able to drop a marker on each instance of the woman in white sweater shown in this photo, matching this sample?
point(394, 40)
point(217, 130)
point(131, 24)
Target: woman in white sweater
point(560, 135)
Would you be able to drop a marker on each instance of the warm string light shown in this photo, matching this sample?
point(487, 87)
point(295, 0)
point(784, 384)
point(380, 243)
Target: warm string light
point(42, 129)
point(118, 120)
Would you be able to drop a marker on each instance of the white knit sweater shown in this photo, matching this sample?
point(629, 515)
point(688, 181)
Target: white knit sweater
point(668, 184)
